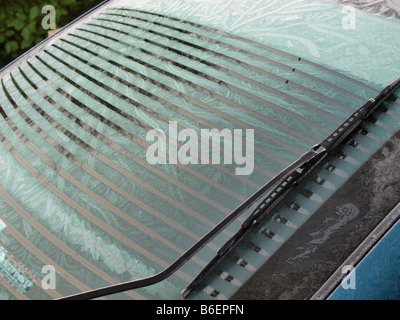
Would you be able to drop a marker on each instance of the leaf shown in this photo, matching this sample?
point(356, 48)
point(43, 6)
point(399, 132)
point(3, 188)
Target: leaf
point(21, 16)
point(26, 33)
point(9, 33)
point(10, 23)
point(12, 46)
point(38, 40)
point(31, 27)
point(69, 2)
point(26, 43)
point(2, 38)
point(62, 12)
point(34, 12)
point(18, 25)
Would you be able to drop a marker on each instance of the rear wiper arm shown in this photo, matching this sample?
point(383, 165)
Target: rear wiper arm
point(277, 188)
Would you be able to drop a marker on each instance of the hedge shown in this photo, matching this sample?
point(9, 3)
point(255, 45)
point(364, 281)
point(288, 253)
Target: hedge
point(21, 23)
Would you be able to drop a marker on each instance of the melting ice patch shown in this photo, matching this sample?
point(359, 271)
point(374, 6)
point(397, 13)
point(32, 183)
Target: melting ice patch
point(343, 214)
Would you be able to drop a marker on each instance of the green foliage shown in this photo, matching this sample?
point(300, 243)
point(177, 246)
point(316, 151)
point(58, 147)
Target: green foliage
point(21, 23)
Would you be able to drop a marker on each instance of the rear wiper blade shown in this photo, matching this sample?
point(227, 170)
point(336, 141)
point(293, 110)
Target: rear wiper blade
point(276, 190)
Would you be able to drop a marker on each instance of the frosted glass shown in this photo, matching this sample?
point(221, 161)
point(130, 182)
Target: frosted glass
point(77, 191)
